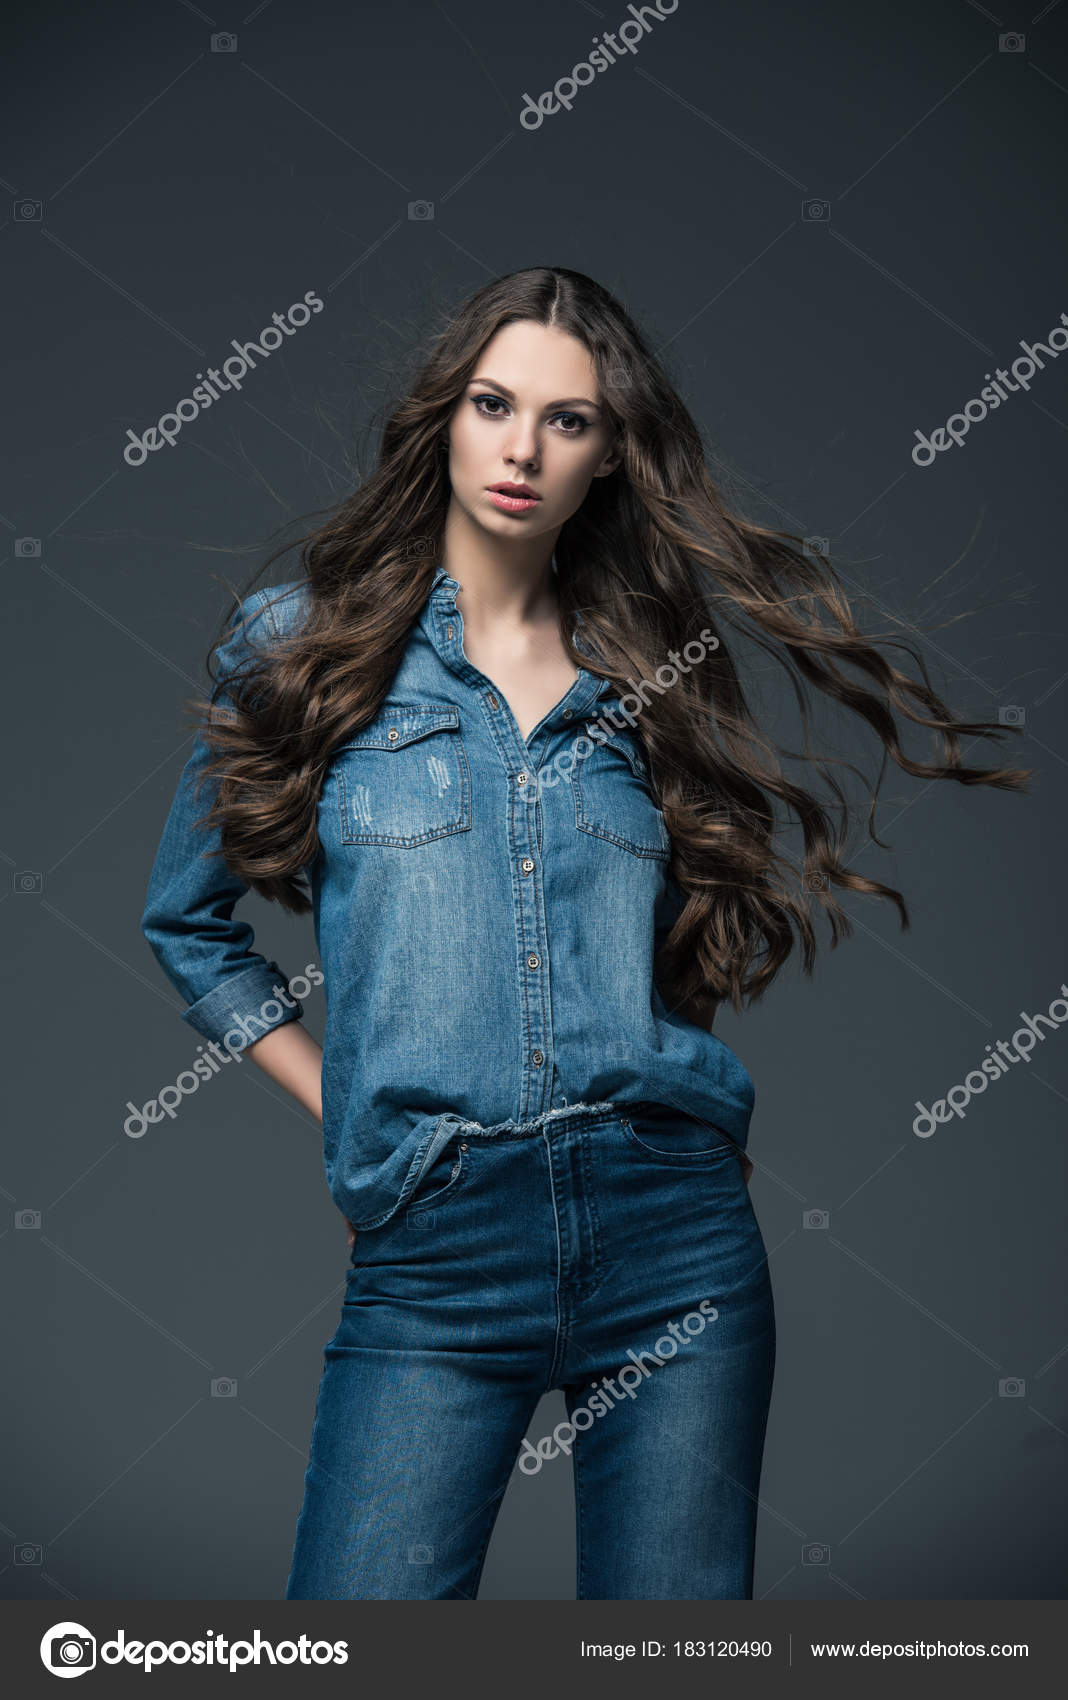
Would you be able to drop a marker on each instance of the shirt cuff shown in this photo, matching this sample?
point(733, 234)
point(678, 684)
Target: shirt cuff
point(245, 1007)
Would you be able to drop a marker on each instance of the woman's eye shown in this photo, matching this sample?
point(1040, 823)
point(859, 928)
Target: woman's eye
point(575, 430)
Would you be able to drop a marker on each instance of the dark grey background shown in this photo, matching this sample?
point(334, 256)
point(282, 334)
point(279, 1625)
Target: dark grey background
point(186, 195)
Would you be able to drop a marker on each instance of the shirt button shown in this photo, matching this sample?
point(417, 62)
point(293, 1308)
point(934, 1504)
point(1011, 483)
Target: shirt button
point(449, 631)
point(567, 713)
point(392, 733)
point(527, 865)
point(521, 778)
point(533, 961)
point(537, 1058)
point(494, 704)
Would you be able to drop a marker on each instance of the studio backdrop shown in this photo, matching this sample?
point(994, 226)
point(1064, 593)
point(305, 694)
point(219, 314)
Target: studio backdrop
point(839, 228)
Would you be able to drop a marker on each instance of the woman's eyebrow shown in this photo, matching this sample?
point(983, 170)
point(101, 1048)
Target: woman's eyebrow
point(565, 401)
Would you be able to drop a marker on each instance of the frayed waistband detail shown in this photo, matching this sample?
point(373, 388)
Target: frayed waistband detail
point(538, 1122)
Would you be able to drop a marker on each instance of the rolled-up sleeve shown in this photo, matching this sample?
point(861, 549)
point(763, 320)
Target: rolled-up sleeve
point(188, 918)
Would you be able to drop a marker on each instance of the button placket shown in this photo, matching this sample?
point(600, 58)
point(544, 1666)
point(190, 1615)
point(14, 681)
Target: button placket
point(530, 924)
point(536, 1023)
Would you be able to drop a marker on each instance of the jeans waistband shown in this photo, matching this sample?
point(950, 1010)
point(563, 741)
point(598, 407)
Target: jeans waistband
point(565, 1116)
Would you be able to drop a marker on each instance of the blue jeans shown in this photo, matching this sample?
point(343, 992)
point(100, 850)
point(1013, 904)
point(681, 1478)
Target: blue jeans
point(612, 1254)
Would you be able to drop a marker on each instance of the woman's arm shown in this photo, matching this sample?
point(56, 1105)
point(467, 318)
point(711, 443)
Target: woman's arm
point(699, 1011)
point(295, 1060)
point(234, 995)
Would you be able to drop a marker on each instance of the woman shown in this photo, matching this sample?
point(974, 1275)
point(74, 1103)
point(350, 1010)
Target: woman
point(496, 729)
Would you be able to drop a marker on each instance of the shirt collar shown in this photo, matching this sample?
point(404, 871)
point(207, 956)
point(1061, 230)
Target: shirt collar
point(443, 591)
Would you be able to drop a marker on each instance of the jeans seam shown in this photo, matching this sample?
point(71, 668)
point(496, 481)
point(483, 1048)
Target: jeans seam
point(588, 1287)
point(580, 1548)
point(480, 1561)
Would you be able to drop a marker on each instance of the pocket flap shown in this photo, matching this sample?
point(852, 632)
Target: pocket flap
point(627, 746)
point(398, 724)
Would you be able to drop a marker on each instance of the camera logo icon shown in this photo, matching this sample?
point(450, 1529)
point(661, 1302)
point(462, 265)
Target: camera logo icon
point(816, 1219)
point(68, 1649)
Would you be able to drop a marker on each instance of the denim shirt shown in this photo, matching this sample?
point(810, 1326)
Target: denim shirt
point(486, 919)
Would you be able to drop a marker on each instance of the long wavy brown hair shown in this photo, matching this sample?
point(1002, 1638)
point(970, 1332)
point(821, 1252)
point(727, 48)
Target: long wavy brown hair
point(652, 556)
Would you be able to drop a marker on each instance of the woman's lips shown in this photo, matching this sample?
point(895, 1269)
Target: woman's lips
point(513, 504)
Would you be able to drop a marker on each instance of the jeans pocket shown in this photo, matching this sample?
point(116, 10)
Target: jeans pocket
point(665, 1136)
point(438, 1184)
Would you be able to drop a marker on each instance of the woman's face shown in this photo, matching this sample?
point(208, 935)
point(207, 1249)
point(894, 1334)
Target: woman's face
point(530, 415)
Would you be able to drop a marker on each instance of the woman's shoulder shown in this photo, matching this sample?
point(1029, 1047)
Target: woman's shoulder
point(274, 611)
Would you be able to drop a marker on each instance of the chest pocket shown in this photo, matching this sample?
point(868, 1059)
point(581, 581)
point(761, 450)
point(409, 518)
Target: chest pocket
point(403, 779)
point(614, 799)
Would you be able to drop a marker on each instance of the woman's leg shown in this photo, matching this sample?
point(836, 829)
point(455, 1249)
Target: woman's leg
point(428, 1387)
point(668, 1453)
